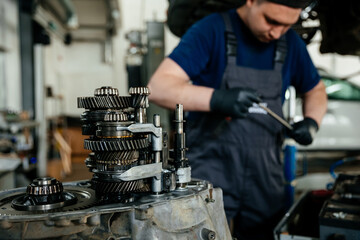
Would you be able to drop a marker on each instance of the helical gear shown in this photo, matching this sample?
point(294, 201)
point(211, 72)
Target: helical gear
point(139, 97)
point(115, 145)
point(120, 187)
point(104, 102)
point(120, 158)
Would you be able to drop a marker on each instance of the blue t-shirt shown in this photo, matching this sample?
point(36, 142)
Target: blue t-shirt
point(201, 54)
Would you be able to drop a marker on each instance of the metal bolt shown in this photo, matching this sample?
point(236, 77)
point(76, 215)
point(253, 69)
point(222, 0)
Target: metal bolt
point(208, 234)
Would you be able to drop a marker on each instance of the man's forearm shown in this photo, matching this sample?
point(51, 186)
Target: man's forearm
point(315, 103)
point(193, 98)
point(170, 85)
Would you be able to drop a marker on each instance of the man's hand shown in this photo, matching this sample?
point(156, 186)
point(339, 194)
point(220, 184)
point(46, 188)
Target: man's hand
point(304, 131)
point(233, 102)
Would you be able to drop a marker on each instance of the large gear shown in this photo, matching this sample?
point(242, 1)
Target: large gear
point(104, 102)
point(120, 158)
point(120, 187)
point(124, 144)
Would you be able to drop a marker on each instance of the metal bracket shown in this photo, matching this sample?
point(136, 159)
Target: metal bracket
point(140, 172)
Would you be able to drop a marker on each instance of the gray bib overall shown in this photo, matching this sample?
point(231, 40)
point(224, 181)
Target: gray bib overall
point(242, 156)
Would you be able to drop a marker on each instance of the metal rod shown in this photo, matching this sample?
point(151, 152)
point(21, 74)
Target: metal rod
point(277, 117)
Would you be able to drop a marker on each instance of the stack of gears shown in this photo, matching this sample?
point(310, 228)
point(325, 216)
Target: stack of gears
point(133, 167)
point(115, 146)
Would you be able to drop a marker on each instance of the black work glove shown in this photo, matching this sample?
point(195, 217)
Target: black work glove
point(304, 131)
point(233, 102)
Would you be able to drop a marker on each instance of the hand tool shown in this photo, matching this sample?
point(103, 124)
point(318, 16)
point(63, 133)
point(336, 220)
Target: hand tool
point(277, 117)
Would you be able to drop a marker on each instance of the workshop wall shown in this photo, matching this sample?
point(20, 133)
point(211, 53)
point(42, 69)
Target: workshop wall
point(75, 70)
point(10, 82)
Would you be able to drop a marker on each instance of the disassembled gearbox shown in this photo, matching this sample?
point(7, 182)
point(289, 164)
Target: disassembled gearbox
point(139, 190)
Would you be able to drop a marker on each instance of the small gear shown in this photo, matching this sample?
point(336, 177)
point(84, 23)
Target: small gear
point(139, 91)
point(106, 91)
point(116, 117)
point(121, 144)
point(139, 97)
point(44, 186)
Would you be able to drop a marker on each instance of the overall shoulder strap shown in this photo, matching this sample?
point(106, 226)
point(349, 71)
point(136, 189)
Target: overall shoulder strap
point(230, 38)
point(280, 53)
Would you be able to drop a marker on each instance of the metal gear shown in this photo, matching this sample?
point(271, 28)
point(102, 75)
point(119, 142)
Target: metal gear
point(118, 158)
point(139, 97)
point(139, 91)
point(120, 187)
point(121, 144)
point(44, 186)
point(116, 117)
point(106, 91)
point(104, 102)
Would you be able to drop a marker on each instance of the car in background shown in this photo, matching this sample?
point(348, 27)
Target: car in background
point(339, 133)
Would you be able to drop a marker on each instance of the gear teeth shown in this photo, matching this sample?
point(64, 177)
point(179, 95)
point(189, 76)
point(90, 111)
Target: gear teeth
point(120, 187)
point(140, 101)
point(139, 97)
point(139, 91)
point(106, 91)
point(117, 145)
point(104, 102)
point(116, 117)
point(117, 158)
point(44, 189)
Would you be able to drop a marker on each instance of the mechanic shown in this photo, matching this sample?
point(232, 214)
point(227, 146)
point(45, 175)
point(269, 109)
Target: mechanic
point(224, 66)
